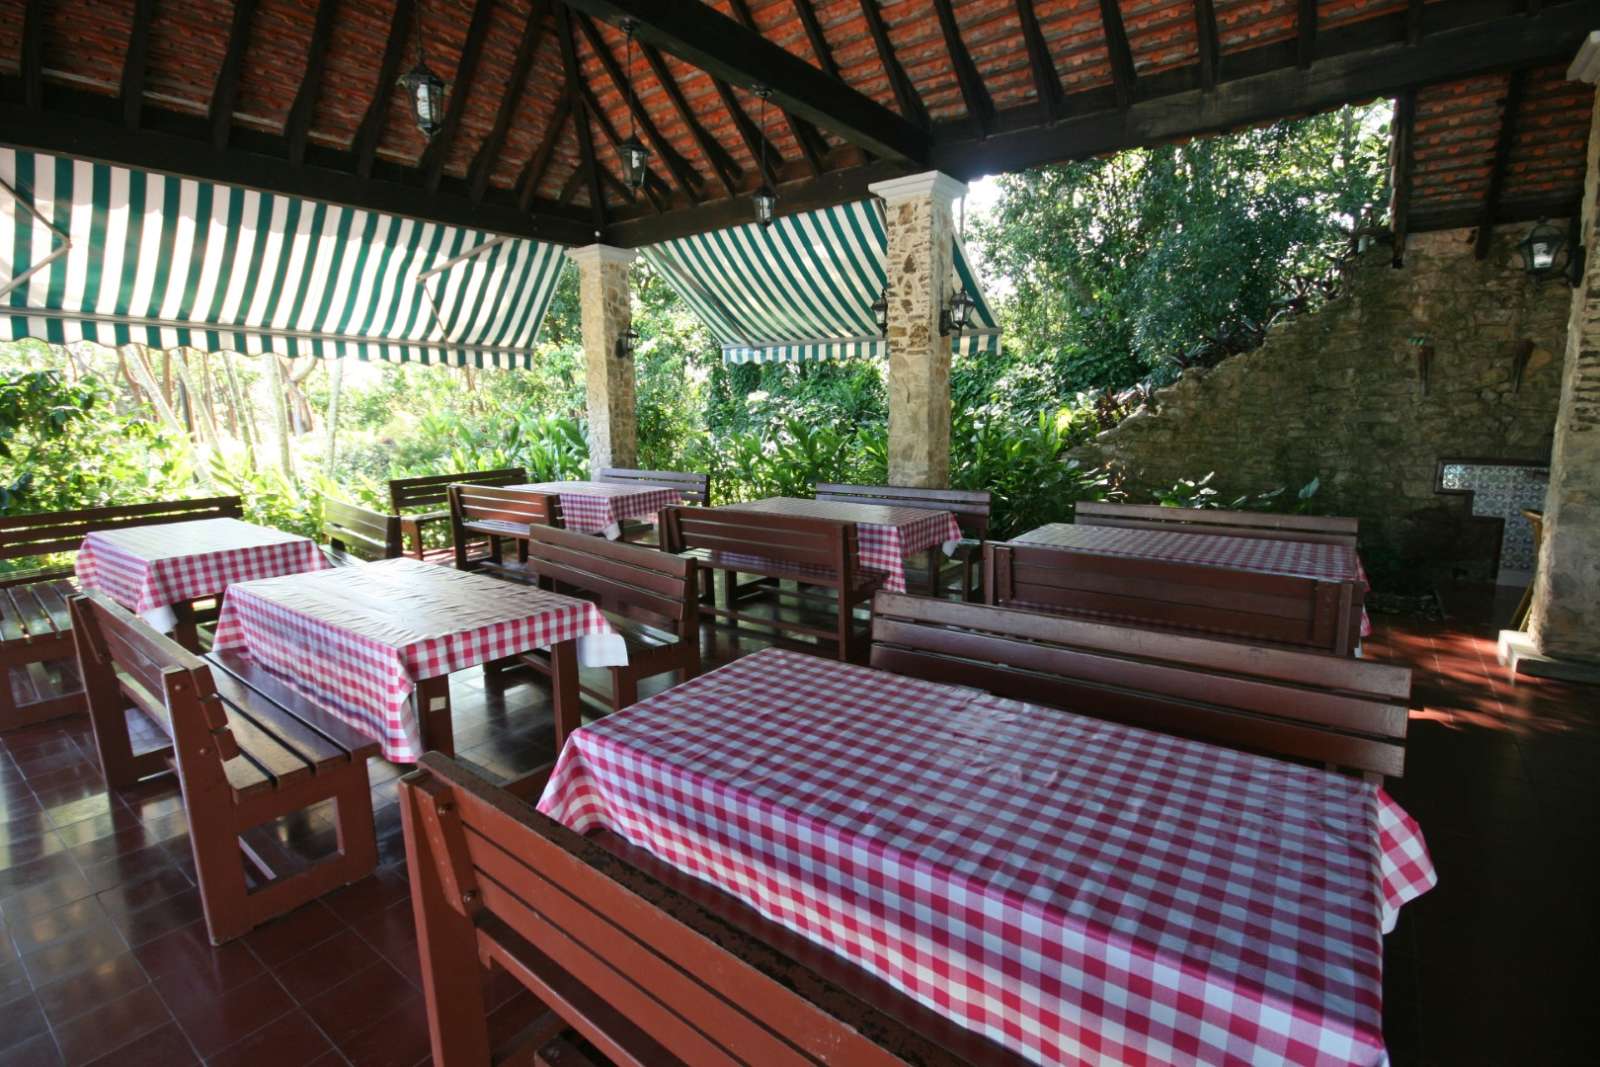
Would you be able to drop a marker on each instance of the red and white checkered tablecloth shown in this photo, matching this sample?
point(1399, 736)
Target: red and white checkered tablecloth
point(1307, 559)
point(885, 535)
point(360, 638)
point(1078, 891)
point(602, 507)
point(145, 568)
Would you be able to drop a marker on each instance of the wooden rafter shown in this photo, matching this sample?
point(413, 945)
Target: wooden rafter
point(1502, 157)
point(689, 182)
point(589, 163)
point(1305, 41)
point(226, 89)
point(1405, 122)
point(814, 34)
point(1046, 80)
point(727, 171)
point(298, 124)
point(134, 62)
point(32, 62)
point(1414, 21)
point(726, 49)
point(370, 132)
point(438, 150)
point(656, 189)
point(1117, 50)
point(533, 172)
point(489, 151)
point(973, 92)
point(804, 133)
point(1205, 30)
point(905, 94)
point(753, 137)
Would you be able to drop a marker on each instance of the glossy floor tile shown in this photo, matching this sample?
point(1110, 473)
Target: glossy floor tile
point(104, 957)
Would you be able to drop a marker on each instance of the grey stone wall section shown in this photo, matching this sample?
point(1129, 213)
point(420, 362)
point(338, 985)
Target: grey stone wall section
point(1337, 395)
point(1565, 622)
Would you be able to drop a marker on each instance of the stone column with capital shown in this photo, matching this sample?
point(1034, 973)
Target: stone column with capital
point(607, 313)
point(918, 210)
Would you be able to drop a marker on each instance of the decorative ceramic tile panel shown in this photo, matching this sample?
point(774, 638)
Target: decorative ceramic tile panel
point(1502, 490)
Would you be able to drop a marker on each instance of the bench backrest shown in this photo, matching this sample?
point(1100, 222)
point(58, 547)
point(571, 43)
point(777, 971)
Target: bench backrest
point(482, 503)
point(1324, 529)
point(631, 580)
point(1298, 705)
point(825, 545)
point(120, 657)
point(1283, 609)
point(645, 969)
point(359, 531)
point(972, 507)
point(50, 532)
point(696, 488)
point(432, 490)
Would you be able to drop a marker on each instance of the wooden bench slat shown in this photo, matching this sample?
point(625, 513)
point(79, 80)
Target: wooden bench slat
point(320, 737)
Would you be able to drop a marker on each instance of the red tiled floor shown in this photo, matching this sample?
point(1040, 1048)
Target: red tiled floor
point(103, 954)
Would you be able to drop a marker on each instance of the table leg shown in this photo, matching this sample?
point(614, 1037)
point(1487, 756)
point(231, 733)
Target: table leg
point(567, 706)
point(187, 630)
point(433, 714)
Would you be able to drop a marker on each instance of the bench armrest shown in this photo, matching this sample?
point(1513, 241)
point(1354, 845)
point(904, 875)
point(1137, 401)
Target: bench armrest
point(411, 529)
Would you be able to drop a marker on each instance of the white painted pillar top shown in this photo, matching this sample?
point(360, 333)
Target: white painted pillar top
point(930, 184)
point(598, 255)
point(1586, 67)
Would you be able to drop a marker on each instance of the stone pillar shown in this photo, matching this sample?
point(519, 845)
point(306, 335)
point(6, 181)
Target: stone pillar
point(921, 228)
point(607, 315)
point(1565, 621)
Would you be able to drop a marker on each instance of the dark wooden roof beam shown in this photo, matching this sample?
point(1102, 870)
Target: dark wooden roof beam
point(1117, 50)
point(588, 164)
point(1046, 80)
point(298, 124)
point(134, 62)
point(1414, 21)
point(533, 172)
point(753, 137)
point(811, 144)
point(370, 132)
point(727, 171)
point(905, 94)
point(687, 178)
point(31, 63)
point(720, 46)
point(438, 150)
point(1305, 40)
point(1502, 157)
point(1205, 31)
point(226, 90)
point(973, 92)
point(489, 151)
point(656, 188)
point(814, 34)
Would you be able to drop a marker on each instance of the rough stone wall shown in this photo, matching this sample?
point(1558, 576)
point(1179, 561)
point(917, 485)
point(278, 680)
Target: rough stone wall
point(607, 314)
point(919, 358)
point(1566, 604)
point(1337, 395)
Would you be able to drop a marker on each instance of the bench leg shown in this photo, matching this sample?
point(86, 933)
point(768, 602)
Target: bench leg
point(432, 696)
point(109, 718)
point(624, 688)
point(846, 625)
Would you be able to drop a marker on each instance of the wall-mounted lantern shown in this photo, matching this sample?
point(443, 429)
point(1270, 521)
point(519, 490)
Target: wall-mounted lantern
point(627, 342)
point(1546, 252)
point(958, 315)
point(880, 311)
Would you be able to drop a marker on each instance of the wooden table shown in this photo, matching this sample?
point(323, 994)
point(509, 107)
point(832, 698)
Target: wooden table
point(377, 642)
point(602, 507)
point(1072, 888)
point(161, 570)
point(885, 535)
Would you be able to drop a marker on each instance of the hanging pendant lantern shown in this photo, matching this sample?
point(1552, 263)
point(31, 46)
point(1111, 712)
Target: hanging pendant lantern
point(765, 199)
point(425, 88)
point(635, 156)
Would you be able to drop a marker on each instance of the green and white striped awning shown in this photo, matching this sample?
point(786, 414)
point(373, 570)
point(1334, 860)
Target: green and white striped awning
point(102, 253)
point(802, 288)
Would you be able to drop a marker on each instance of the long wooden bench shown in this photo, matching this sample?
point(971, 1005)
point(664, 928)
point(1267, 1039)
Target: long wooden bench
point(644, 964)
point(971, 507)
point(1281, 609)
point(38, 680)
point(493, 516)
point(355, 534)
point(247, 750)
point(1323, 529)
point(649, 596)
point(811, 553)
point(432, 493)
point(1345, 713)
point(694, 488)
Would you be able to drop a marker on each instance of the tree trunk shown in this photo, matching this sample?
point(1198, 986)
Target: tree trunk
point(280, 414)
point(201, 422)
point(335, 380)
point(147, 378)
point(243, 421)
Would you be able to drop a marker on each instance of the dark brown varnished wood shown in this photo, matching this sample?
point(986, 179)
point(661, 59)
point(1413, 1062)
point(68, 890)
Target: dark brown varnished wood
point(408, 496)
